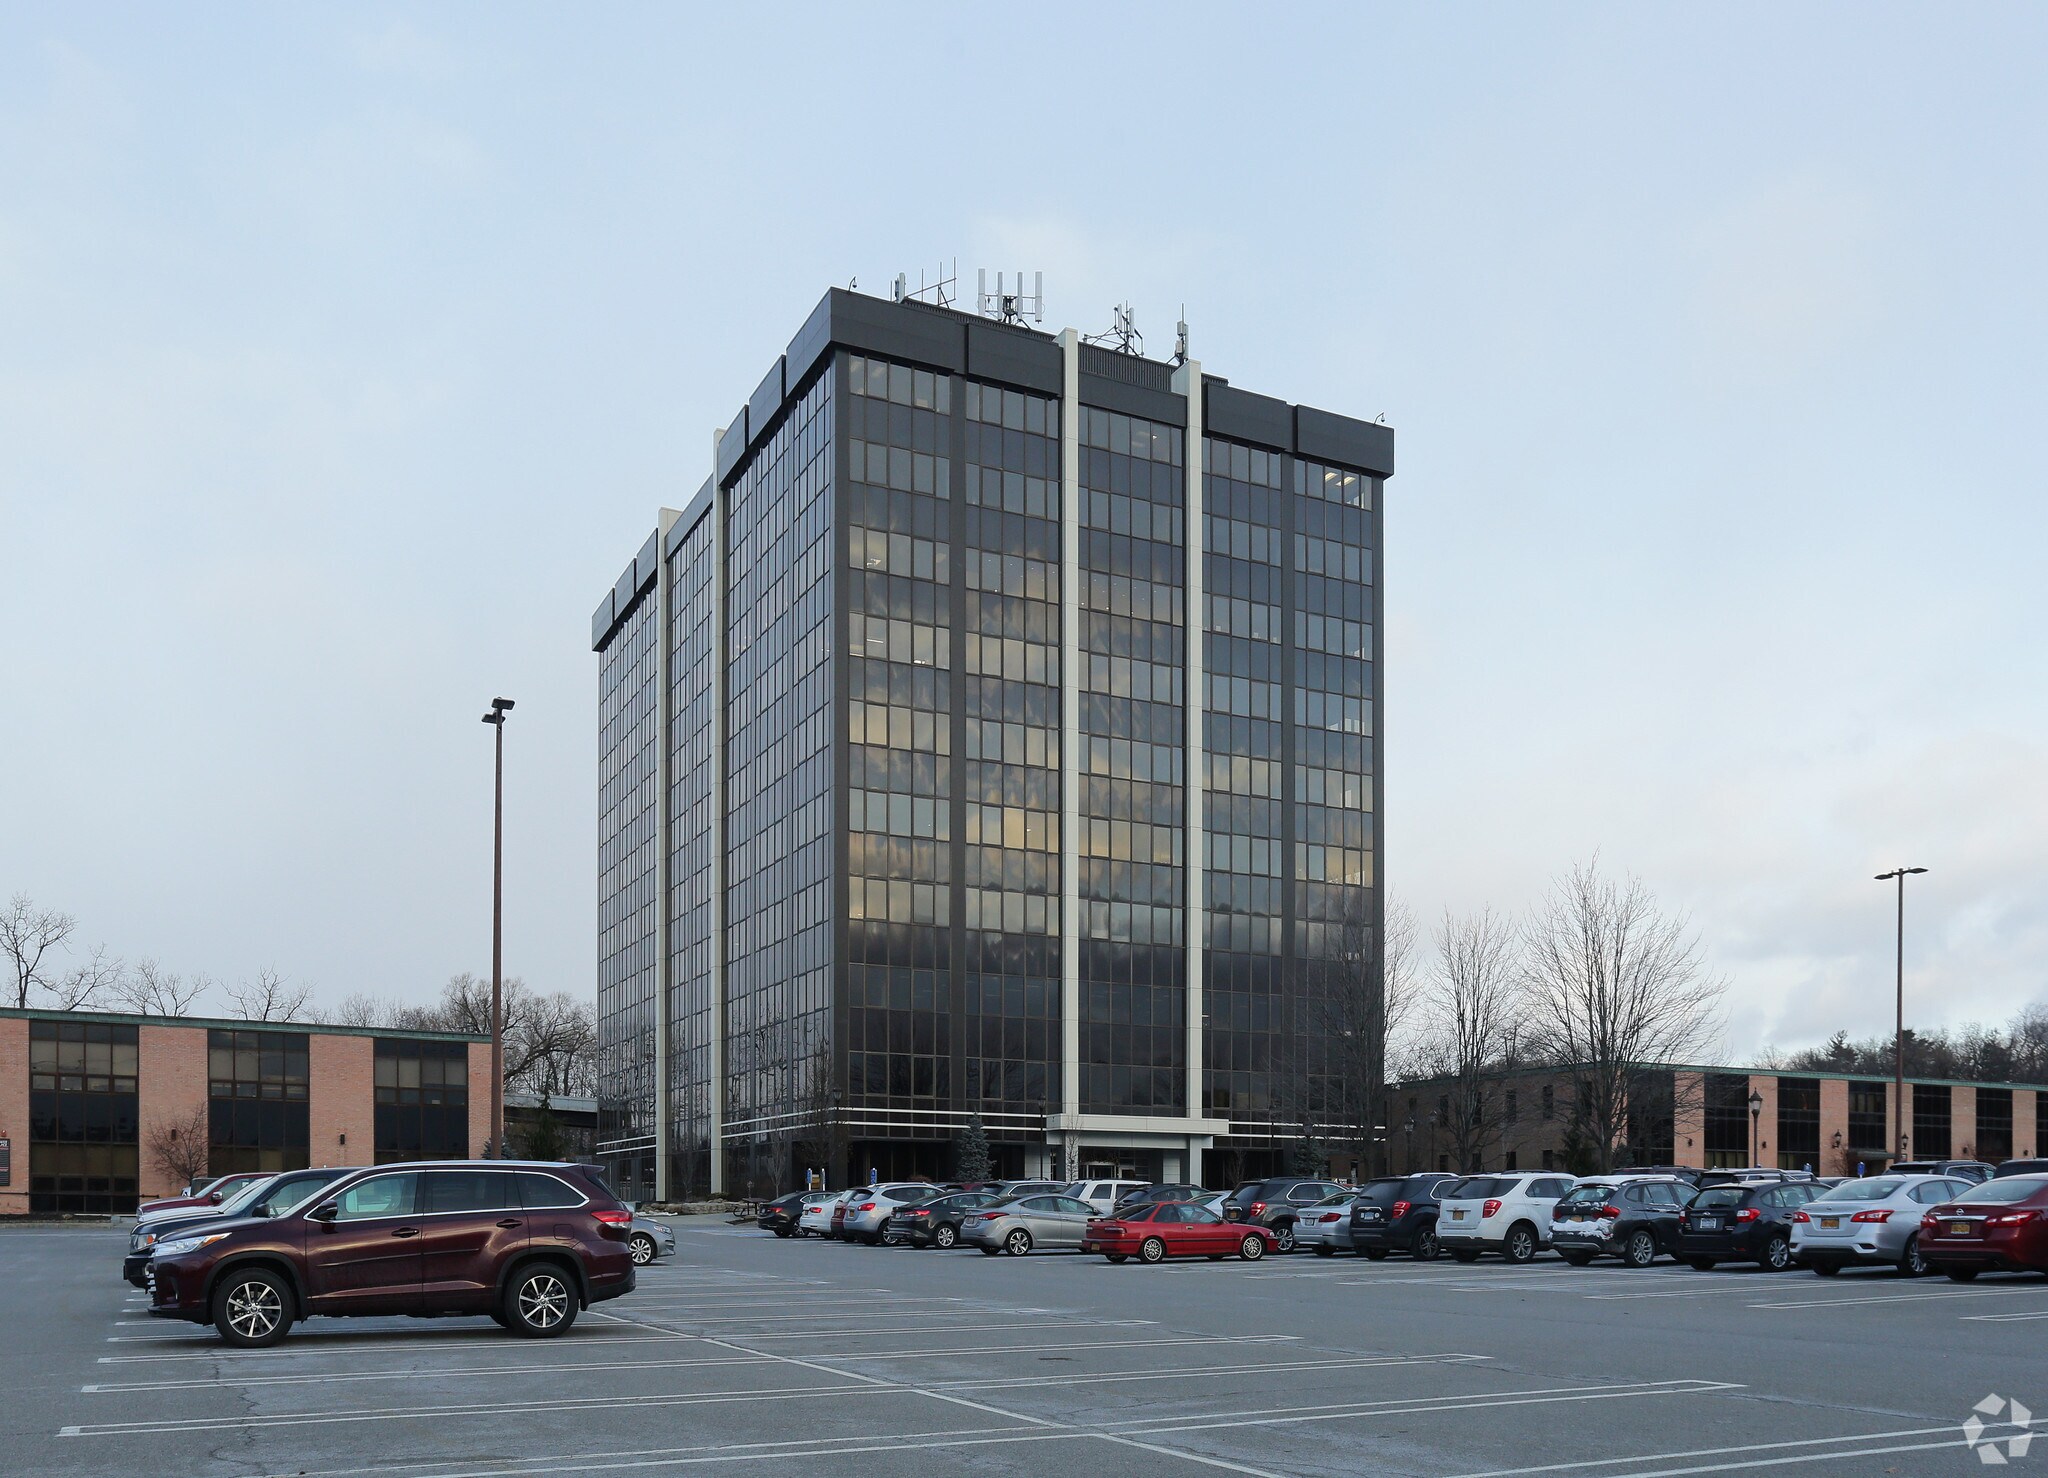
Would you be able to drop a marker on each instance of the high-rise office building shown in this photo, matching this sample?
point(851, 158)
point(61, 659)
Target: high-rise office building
point(992, 734)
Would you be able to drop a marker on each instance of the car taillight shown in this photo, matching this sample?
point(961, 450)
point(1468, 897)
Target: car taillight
point(2011, 1219)
point(988, 1215)
point(1800, 1216)
point(1748, 1213)
point(865, 1206)
point(614, 1218)
point(1872, 1216)
point(1607, 1211)
point(1257, 1207)
point(1491, 1208)
point(1329, 1216)
point(1927, 1223)
point(915, 1211)
point(1401, 1209)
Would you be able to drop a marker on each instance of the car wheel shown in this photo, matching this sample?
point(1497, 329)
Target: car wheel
point(1960, 1275)
point(785, 1232)
point(943, 1236)
point(498, 1318)
point(1426, 1247)
point(643, 1249)
point(1912, 1264)
point(1702, 1264)
point(1778, 1254)
point(1465, 1254)
point(1376, 1254)
point(1252, 1248)
point(540, 1301)
point(1283, 1237)
point(1324, 1249)
point(1017, 1243)
point(1640, 1250)
point(1151, 1250)
point(252, 1310)
point(1117, 1256)
point(1827, 1269)
point(1577, 1259)
point(1521, 1245)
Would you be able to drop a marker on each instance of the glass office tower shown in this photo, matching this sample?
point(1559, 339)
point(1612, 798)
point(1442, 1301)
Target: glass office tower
point(991, 736)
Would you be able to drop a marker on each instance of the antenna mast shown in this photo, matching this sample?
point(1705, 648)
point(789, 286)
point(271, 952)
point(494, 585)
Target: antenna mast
point(1010, 306)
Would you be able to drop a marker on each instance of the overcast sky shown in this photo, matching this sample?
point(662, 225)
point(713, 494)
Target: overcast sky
point(346, 354)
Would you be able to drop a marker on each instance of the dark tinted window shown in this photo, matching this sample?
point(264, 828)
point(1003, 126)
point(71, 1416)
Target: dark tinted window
point(1041, 1203)
point(1146, 1211)
point(380, 1195)
point(1423, 1187)
point(1172, 1215)
point(465, 1190)
point(1719, 1195)
point(1551, 1188)
point(1381, 1193)
point(541, 1192)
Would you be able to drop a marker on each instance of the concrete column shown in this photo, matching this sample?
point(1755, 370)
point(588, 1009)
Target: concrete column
point(1070, 735)
point(719, 658)
point(1689, 1120)
point(664, 1037)
point(1187, 381)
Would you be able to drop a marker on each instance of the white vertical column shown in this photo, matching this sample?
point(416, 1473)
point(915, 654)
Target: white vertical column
point(1187, 381)
point(664, 975)
point(1070, 721)
point(718, 829)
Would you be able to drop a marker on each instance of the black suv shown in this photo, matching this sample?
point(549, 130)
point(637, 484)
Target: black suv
point(1743, 1222)
point(1633, 1217)
point(1398, 1214)
point(1277, 1204)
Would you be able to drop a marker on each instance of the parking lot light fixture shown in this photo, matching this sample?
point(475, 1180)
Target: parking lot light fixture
point(1756, 1111)
point(1899, 1024)
point(495, 717)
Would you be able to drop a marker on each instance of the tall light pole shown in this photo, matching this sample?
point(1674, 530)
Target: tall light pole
point(1899, 1027)
point(496, 719)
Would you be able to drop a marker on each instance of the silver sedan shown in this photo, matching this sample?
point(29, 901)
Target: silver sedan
point(1325, 1228)
point(1019, 1226)
point(1874, 1220)
point(648, 1239)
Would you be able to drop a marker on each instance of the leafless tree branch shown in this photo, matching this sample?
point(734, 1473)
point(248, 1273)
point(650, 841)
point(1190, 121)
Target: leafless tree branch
point(177, 1147)
point(270, 997)
point(151, 990)
point(27, 935)
point(1475, 1005)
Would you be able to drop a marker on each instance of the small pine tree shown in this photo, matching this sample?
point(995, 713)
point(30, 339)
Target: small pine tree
point(544, 1139)
point(1306, 1158)
point(970, 1153)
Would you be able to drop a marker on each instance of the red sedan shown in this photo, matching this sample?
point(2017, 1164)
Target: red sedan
point(2001, 1225)
point(1163, 1229)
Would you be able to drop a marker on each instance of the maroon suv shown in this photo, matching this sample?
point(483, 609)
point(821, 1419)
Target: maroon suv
point(527, 1243)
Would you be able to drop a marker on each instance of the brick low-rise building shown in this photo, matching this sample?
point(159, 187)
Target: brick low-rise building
point(85, 1095)
point(1702, 1117)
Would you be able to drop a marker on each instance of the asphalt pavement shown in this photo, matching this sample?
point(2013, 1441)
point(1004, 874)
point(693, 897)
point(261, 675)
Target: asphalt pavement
point(745, 1351)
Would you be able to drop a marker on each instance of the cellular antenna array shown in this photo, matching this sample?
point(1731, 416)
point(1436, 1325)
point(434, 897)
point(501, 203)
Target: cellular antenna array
point(1010, 306)
point(1123, 336)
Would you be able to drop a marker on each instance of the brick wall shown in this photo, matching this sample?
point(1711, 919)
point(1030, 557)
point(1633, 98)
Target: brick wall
point(341, 1109)
point(1765, 1128)
point(479, 1096)
point(14, 1114)
point(2025, 1142)
point(1834, 1128)
point(1689, 1122)
point(1962, 1123)
point(170, 1083)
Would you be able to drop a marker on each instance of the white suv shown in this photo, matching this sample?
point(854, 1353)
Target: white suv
point(867, 1213)
point(1103, 1194)
point(1508, 1214)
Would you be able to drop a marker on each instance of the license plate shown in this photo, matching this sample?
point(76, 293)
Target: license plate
point(1457, 1216)
point(1087, 1246)
point(1831, 1222)
point(1369, 1216)
point(1710, 1223)
point(1959, 1229)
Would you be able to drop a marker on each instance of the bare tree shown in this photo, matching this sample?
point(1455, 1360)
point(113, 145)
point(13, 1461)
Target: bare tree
point(151, 990)
point(1355, 1004)
point(1616, 985)
point(550, 1039)
point(177, 1147)
point(821, 1138)
point(27, 935)
point(1474, 1002)
point(97, 981)
point(271, 996)
point(360, 1008)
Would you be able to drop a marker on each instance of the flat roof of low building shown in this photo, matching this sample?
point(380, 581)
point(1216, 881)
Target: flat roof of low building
point(234, 1023)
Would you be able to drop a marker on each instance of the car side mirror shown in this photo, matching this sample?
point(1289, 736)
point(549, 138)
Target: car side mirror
point(263, 1210)
point(213, 1198)
point(325, 1211)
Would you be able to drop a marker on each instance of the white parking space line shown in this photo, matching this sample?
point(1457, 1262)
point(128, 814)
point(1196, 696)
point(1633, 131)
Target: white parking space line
point(1093, 1344)
point(437, 1373)
point(1796, 1450)
point(308, 1346)
point(2005, 1318)
point(1343, 1411)
point(1896, 1298)
point(931, 1329)
point(1200, 1372)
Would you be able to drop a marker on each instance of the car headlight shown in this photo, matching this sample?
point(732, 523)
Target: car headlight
point(187, 1244)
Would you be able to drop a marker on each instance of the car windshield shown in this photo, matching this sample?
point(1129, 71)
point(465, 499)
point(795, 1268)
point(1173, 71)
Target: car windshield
point(242, 1199)
point(1876, 1188)
point(1998, 1192)
point(1381, 1193)
point(281, 1199)
point(1586, 1195)
point(1720, 1195)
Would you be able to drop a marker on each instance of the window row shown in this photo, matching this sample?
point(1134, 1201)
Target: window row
point(1133, 923)
point(1111, 431)
point(1008, 870)
point(1123, 595)
point(1333, 711)
point(1243, 696)
point(1130, 841)
point(898, 467)
point(1333, 485)
point(898, 859)
point(1338, 788)
point(898, 554)
point(1346, 562)
point(898, 1075)
point(899, 815)
point(1234, 774)
point(995, 784)
point(1351, 866)
point(1012, 660)
point(1333, 634)
point(1012, 913)
point(1259, 856)
point(1126, 677)
point(1132, 759)
point(1240, 540)
point(1012, 826)
point(1248, 620)
point(888, 639)
point(1121, 514)
point(1241, 463)
point(997, 405)
point(899, 384)
point(1142, 559)
point(904, 684)
point(897, 902)
point(1013, 744)
point(1012, 574)
point(1013, 492)
point(891, 727)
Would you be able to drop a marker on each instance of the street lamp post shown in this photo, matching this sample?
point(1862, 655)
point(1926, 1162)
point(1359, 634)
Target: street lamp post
point(1756, 1110)
point(496, 719)
point(1899, 1025)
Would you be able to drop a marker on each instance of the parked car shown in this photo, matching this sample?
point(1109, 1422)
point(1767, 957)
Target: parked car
point(1632, 1216)
point(1508, 1214)
point(648, 1238)
point(1970, 1170)
point(1873, 1220)
point(216, 1193)
point(780, 1216)
point(2001, 1225)
point(1168, 1191)
point(528, 1243)
point(1101, 1194)
point(1017, 1226)
point(1743, 1221)
point(936, 1222)
point(816, 1218)
point(1754, 1175)
point(273, 1196)
point(1153, 1231)
point(1278, 1204)
point(1325, 1228)
point(2009, 1168)
point(868, 1213)
point(1398, 1214)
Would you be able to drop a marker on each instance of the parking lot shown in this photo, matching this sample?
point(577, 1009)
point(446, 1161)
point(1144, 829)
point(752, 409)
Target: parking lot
point(744, 1350)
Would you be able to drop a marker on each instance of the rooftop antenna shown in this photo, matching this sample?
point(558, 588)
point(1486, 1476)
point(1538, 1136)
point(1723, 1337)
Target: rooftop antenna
point(939, 292)
point(1123, 335)
point(1180, 337)
point(1010, 305)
